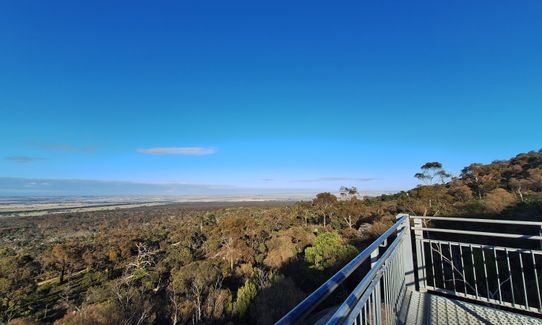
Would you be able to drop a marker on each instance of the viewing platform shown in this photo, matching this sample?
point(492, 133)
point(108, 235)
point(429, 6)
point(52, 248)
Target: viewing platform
point(436, 270)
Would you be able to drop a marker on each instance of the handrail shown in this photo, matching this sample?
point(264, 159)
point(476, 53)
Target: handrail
point(478, 233)
point(506, 222)
point(344, 310)
point(485, 246)
point(304, 308)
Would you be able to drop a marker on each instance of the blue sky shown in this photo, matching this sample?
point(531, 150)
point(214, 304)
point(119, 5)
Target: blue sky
point(278, 94)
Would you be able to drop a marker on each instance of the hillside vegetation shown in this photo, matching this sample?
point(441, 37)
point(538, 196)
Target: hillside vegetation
point(178, 265)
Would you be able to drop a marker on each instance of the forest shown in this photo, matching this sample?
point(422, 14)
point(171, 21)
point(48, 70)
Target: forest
point(243, 263)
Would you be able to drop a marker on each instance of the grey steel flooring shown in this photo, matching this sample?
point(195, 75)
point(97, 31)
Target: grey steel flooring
point(425, 308)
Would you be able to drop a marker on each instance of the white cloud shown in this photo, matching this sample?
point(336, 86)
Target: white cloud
point(23, 159)
point(65, 147)
point(189, 151)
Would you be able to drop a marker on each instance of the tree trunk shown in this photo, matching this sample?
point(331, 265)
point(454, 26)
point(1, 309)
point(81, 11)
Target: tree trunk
point(198, 308)
point(520, 194)
point(175, 309)
point(62, 271)
point(349, 221)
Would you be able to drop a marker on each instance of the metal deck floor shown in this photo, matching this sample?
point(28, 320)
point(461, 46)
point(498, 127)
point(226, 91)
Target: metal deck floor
point(425, 308)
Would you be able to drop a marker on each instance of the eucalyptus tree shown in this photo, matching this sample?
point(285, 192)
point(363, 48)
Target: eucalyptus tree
point(431, 171)
point(325, 202)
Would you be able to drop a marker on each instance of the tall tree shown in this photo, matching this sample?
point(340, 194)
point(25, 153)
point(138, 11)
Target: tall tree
point(347, 193)
point(195, 282)
point(482, 179)
point(325, 203)
point(431, 171)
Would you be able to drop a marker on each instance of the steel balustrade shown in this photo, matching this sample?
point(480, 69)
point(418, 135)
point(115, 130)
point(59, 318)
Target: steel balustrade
point(501, 275)
point(496, 274)
point(304, 309)
point(377, 298)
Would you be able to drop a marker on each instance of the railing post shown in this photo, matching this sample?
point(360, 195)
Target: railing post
point(420, 258)
point(408, 255)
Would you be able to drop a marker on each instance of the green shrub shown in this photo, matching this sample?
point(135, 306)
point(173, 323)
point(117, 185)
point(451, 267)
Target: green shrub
point(329, 250)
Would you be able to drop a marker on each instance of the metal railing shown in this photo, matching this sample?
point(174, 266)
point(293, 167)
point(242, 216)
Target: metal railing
point(376, 298)
point(492, 267)
point(498, 268)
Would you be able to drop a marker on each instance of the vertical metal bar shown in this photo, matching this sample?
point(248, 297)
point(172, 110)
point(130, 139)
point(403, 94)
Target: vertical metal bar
point(393, 294)
point(376, 292)
point(410, 274)
point(498, 275)
point(371, 312)
point(536, 278)
point(474, 271)
point(359, 319)
point(485, 273)
point(452, 265)
point(370, 309)
point(378, 303)
point(434, 275)
point(523, 278)
point(356, 321)
point(373, 307)
point(511, 277)
point(442, 265)
point(386, 292)
point(463, 269)
point(400, 283)
point(420, 255)
point(393, 272)
point(386, 285)
point(397, 269)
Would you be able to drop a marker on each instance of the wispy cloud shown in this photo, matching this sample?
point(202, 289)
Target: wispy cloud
point(16, 186)
point(65, 147)
point(336, 179)
point(23, 159)
point(189, 151)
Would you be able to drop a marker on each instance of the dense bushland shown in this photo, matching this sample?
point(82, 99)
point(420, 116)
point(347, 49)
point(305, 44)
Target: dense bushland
point(239, 264)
